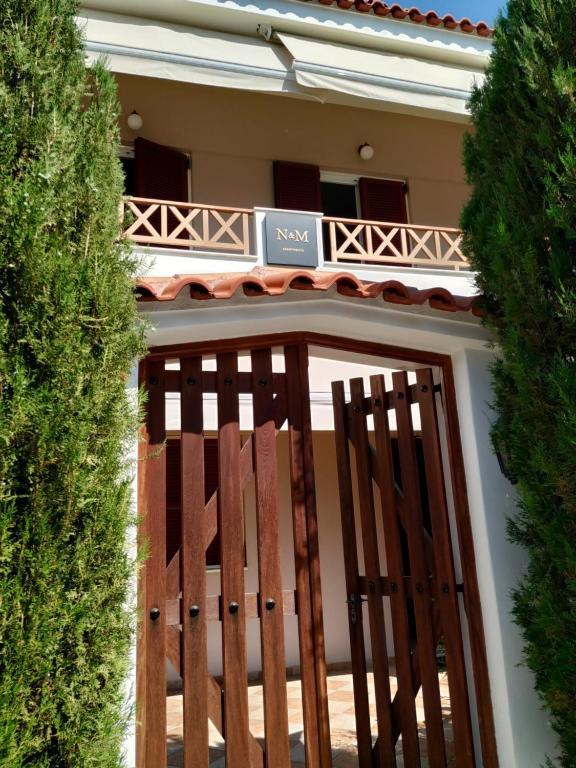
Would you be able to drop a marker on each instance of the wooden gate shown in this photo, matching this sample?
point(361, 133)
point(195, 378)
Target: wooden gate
point(418, 579)
point(174, 606)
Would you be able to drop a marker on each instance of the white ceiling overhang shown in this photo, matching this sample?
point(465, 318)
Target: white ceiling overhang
point(300, 66)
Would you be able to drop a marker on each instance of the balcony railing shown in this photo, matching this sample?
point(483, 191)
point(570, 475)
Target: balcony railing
point(231, 230)
point(388, 243)
point(187, 225)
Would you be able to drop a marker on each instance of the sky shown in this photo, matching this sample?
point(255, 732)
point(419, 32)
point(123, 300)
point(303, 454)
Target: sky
point(475, 10)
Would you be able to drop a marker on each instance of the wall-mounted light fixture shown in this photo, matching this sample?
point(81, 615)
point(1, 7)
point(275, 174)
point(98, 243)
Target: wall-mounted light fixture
point(135, 121)
point(366, 151)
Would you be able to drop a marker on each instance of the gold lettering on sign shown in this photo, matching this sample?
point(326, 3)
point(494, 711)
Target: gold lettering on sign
point(293, 234)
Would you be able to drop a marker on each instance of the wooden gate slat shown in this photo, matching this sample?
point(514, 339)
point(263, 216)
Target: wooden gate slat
point(472, 601)
point(385, 745)
point(215, 702)
point(447, 595)
point(246, 465)
point(231, 527)
point(155, 568)
point(350, 547)
point(407, 687)
point(211, 512)
point(269, 573)
point(419, 571)
point(194, 658)
point(301, 355)
point(301, 557)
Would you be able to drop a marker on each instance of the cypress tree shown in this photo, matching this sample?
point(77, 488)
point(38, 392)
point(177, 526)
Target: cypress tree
point(520, 228)
point(68, 339)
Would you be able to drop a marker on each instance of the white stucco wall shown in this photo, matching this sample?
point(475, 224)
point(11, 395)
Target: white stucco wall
point(129, 747)
point(522, 732)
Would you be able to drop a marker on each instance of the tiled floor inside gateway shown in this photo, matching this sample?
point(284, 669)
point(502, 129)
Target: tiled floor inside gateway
point(342, 723)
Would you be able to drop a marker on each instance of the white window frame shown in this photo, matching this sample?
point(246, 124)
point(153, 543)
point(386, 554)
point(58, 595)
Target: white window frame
point(353, 179)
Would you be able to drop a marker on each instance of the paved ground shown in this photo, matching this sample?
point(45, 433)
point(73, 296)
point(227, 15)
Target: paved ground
point(342, 723)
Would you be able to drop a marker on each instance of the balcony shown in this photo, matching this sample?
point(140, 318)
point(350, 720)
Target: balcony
point(225, 230)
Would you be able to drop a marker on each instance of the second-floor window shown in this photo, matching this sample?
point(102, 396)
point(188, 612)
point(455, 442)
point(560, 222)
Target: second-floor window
point(303, 187)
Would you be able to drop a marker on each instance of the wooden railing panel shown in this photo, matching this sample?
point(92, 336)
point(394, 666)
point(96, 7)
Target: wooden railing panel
point(222, 228)
point(188, 225)
point(393, 243)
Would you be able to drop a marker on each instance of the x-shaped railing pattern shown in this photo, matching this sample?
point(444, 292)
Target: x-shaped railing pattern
point(406, 244)
point(166, 223)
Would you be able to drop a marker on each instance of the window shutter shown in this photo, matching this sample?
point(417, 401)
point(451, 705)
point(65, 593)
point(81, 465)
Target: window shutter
point(297, 186)
point(160, 172)
point(383, 200)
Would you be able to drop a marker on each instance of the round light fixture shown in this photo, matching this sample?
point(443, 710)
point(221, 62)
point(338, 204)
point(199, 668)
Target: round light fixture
point(366, 151)
point(135, 121)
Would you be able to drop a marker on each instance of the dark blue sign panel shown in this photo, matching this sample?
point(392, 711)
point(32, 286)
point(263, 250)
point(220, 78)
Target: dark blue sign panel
point(291, 239)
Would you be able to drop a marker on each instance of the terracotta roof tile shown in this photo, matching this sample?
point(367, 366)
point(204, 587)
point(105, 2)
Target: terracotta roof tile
point(414, 15)
point(267, 281)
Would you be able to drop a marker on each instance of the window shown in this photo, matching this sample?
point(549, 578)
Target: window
point(154, 171)
point(126, 155)
point(343, 196)
point(306, 188)
point(340, 196)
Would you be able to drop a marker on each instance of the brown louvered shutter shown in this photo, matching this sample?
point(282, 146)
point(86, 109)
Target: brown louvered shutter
point(160, 172)
point(384, 200)
point(297, 186)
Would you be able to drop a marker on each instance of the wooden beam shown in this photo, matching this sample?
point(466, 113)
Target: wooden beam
point(231, 529)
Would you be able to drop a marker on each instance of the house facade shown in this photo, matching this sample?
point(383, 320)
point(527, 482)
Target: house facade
point(316, 484)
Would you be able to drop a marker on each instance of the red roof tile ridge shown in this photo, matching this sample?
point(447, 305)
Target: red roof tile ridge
point(276, 281)
point(413, 14)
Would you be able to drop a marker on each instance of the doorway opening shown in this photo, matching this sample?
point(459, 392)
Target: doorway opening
point(332, 628)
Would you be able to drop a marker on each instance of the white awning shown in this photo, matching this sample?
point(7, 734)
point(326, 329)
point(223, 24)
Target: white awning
point(379, 76)
point(137, 46)
point(311, 69)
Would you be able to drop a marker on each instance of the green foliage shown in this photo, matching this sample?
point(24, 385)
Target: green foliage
point(68, 339)
point(520, 229)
